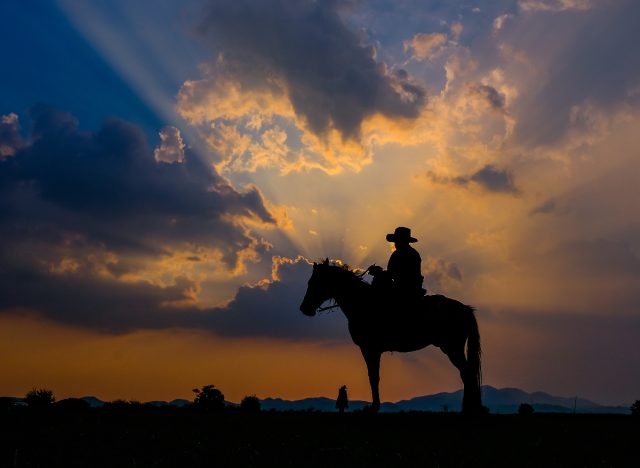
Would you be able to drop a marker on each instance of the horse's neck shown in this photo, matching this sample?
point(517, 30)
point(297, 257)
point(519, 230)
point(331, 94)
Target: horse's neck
point(351, 298)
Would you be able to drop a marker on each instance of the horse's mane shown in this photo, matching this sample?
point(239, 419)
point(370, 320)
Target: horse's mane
point(344, 269)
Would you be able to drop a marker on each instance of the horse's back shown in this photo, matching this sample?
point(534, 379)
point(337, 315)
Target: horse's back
point(407, 325)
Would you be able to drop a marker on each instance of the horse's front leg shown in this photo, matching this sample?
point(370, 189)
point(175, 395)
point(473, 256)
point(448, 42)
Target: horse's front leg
point(372, 358)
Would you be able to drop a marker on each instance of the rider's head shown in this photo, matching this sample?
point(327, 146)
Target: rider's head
point(401, 237)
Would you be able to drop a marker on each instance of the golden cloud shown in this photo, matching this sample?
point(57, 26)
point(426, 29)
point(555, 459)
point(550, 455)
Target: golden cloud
point(425, 45)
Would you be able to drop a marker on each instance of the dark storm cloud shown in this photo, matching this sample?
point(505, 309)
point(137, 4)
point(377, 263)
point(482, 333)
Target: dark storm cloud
point(489, 177)
point(274, 311)
point(92, 302)
point(111, 306)
point(72, 200)
point(70, 197)
point(112, 173)
point(107, 186)
point(331, 76)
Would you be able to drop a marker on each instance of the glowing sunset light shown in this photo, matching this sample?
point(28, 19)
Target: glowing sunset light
point(166, 185)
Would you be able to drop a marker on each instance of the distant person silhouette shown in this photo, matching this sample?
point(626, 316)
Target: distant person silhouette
point(403, 277)
point(342, 402)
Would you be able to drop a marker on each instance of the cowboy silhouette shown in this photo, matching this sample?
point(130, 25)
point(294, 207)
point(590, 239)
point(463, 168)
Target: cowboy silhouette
point(403, 277)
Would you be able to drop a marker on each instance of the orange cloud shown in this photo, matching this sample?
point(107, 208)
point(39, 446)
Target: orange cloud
point(425, 45)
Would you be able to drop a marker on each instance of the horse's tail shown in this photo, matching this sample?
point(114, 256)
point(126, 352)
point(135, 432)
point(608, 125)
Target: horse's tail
point(474, 355)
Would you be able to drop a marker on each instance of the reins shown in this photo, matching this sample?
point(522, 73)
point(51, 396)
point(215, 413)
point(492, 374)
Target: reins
point(322, 309)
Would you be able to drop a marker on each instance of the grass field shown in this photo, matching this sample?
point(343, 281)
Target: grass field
point(172, 437)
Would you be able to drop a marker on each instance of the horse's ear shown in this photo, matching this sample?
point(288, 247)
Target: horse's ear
point(326, 261)
point(315, 264)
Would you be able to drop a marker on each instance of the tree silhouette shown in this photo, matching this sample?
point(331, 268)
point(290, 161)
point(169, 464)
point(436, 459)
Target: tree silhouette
point(208, 398)
point(250, 404)
point(525, 409)
point(39, 398)
point(635, 408)
point(342, 402)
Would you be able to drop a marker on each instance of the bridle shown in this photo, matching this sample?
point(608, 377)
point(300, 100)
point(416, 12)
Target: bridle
point(322, 309)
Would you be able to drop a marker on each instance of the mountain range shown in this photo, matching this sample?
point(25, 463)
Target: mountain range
point(498, 400)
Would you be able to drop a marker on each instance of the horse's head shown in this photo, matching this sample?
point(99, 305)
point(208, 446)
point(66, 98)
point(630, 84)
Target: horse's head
point(318, 289)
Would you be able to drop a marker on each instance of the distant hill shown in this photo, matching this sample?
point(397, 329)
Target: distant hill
point(93, 401)
point(307, 404)
point(499, 401)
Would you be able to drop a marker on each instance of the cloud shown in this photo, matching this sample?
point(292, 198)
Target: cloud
point(269, 308)
point(439, 274)
point(10, 139)
point(493, 97)
point(331, 77)
point(548, 206)
point(297, 70)
point(500, 21)
point(171, 147)
point(424, 45)
point(91, 301)
point(272, 308)
point(569, 65)
point(99, 233)
point(456, 30)
point(489, 178)
point(555, 5)
point(492, 179)
point(96, 225)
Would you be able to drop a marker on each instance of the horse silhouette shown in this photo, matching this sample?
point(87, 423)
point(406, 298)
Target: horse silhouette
point(378, 325)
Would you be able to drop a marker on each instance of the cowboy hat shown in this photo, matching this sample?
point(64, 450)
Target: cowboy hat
point(401, 234)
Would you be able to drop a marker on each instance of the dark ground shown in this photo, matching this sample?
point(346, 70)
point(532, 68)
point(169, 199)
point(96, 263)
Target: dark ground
point(172, 437)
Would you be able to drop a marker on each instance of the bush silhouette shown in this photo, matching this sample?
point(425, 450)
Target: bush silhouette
point(635, 408)
point(39, 398)
point(250, 404)
point(72, 405)
point(525, 409)
point(208, 398)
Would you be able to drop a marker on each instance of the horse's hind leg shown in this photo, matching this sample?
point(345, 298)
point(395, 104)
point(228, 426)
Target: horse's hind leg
point(458, 359)
point(372, 358)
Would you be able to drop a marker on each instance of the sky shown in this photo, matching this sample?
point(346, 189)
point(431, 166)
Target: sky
point(169, 170)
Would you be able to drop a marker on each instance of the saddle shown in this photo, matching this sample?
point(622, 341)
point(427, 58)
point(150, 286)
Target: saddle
point(390, 294)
